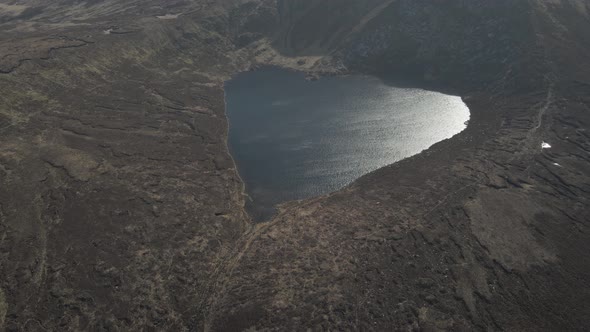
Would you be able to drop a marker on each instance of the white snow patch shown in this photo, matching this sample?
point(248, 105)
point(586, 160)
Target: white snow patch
point(168, 16)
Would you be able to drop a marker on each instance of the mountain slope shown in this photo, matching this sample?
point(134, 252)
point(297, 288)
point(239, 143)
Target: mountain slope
point(121, 208)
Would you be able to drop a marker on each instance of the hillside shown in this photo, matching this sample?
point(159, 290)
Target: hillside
point(121, 208)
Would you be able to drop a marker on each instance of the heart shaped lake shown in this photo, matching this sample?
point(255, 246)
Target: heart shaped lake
point(293, 139)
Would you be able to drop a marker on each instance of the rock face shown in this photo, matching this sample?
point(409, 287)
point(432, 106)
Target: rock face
point(448, 42)
point(121, 209)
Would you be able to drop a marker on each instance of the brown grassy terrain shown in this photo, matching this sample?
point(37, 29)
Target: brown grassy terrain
point(121, 208)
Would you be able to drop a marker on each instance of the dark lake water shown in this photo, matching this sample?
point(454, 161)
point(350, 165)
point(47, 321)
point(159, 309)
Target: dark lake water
point(294, 139)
